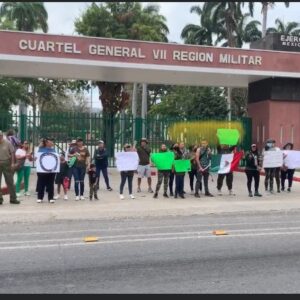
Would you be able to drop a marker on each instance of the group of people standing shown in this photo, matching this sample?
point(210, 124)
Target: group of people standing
point(76, 162)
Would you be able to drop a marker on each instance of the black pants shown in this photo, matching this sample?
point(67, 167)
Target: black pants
point(289, 174)
point(129, 176)
point(105, 175)
point(45, 180)
point(205, 176)
point(250, 175)
point(179, 184)
point(277, 178)
point(192, 175)
point(229, 180)
point(171, 181)
point(269, 179)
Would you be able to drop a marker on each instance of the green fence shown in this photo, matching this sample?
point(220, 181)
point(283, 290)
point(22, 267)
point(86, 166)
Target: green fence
point(115, 131)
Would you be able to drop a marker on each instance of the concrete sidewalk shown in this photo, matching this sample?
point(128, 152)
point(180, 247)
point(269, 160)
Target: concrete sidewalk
point(110, 206)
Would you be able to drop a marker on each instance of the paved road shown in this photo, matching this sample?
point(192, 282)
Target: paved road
point(179, 254)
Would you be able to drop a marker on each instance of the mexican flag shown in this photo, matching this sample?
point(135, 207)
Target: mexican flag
point(225, 163)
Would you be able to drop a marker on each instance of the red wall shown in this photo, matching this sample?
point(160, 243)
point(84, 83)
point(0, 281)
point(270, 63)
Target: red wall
point(281, 120)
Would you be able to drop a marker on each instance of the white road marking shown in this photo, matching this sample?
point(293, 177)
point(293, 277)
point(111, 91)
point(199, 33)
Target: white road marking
point(143, 228)
point(194, 236)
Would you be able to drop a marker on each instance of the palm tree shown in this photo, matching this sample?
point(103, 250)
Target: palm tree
point(199, 34)
point(225, 16)
point(27, 16)
point(264, 10)
point(247, 32)
point(291, 28)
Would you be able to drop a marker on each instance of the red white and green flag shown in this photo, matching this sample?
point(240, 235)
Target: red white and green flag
point(225, 163)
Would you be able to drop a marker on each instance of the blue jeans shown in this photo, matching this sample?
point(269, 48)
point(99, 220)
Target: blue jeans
point(104, 172)
point(79, 174)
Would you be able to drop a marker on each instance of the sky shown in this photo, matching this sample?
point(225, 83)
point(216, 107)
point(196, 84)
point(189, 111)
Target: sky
point(61, 17)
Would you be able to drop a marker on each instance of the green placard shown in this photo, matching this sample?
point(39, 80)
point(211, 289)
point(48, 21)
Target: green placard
point(182, 165)
point(228, 136)
point(163, 160)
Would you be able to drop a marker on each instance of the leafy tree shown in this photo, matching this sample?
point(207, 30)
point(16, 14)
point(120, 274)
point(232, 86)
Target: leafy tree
point(191, 101)
point(11, 92)
point(264, 10)
point(123, 20)
point(289, 28)
point(26, 16)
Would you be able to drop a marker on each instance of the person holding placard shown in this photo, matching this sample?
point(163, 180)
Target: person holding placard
point(225, 149)
point(81, 165)
point(164, 165)
point(180, 154)
point(252, 170)
point(127, 175)
point(270, 171)
point(287, 173)
point(47, 167)
point(203, 159)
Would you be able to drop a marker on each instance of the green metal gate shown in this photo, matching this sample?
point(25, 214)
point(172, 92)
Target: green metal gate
point(115, 131)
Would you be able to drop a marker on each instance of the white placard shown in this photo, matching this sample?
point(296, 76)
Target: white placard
point(127, 161)
point(273, 159)
point(47, 162)
point(292, 159)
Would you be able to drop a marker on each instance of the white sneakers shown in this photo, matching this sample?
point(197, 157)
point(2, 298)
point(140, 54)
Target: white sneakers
point(66, 197)
point(77, 198)
point(39, 200)
point(122, 197)
point(56, 197)
point(27, 194)
point(52, 201)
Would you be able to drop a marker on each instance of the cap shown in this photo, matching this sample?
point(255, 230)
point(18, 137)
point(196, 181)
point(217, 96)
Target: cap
point(73, 142)
point(253, 145)
point(144, 140)
point(100, 142)
point(270, 141)
point(79, 139)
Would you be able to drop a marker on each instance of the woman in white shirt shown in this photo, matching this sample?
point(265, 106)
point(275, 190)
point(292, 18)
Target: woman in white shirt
point(24, 157)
